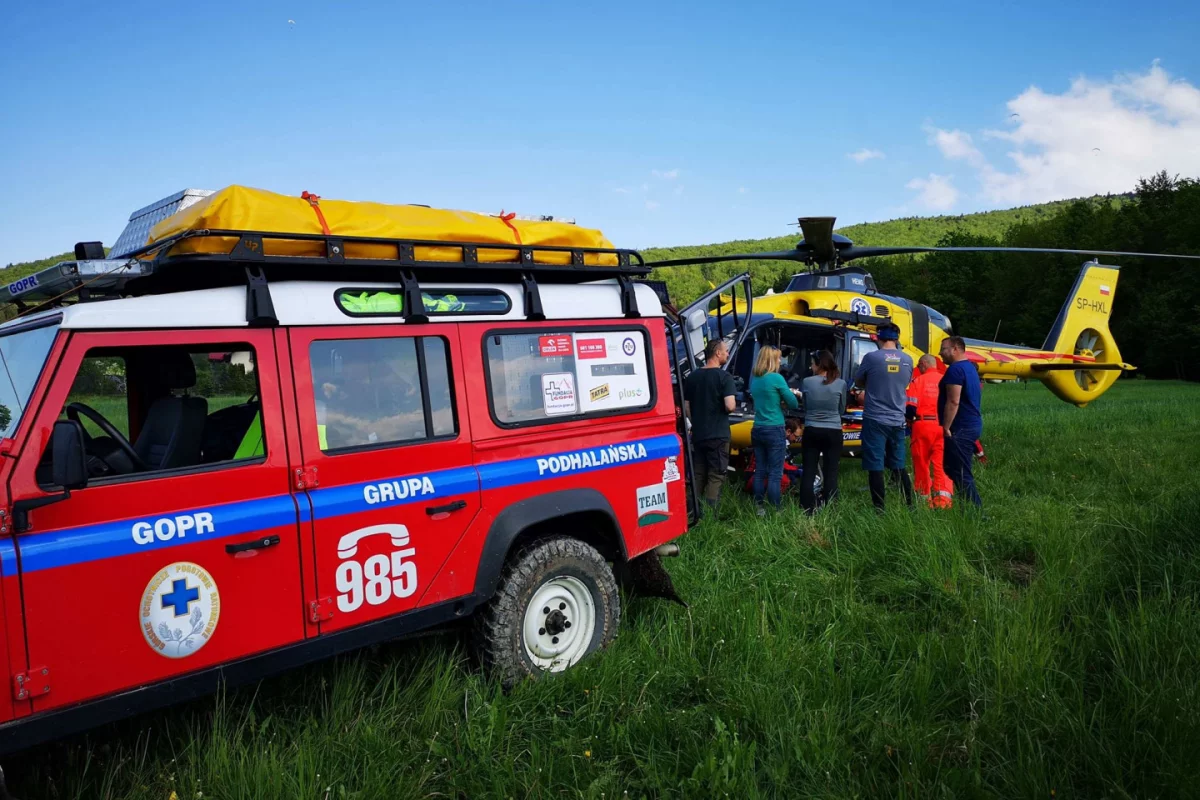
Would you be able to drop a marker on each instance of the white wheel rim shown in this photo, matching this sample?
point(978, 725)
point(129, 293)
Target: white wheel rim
point(559, 623)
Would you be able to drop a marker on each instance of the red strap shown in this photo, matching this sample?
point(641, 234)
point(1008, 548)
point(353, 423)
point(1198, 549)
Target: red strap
point(507, 220)
point(312, 201)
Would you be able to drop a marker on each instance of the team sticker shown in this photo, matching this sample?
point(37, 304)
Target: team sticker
point(180, 609)
point(652, 504)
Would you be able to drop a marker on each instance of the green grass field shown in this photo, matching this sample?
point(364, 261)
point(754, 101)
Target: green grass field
point(1053, 651)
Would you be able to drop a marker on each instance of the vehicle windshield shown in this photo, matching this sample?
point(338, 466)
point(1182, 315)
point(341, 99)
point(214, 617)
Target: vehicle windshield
point(22, 356)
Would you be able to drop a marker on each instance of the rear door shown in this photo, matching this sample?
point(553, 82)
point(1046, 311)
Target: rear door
point(388, 462)
point(142, 577)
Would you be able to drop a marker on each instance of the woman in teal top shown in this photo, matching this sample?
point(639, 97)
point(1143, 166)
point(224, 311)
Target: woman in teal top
point(771, 393)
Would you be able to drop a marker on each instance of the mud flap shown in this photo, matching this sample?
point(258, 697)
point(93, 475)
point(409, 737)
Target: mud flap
point(647, 577)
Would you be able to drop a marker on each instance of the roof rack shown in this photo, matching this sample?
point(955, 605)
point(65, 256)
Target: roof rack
point(157, 269)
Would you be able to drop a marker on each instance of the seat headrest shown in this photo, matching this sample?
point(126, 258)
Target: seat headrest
point(177, 369)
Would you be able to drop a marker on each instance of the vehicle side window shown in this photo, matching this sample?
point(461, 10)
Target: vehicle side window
point(151, 409)
point(545, 376)
point(373, 392)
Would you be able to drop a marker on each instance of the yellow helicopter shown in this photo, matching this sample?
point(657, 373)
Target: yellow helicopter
point(835, 306)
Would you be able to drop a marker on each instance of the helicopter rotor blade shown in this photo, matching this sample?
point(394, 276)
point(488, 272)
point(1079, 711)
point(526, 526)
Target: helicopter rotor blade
point(853, 252)
point(800, 254)
point(803, 254)
point(818, 235)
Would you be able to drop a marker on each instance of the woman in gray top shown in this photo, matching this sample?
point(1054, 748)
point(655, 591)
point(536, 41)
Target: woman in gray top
point(824, 404)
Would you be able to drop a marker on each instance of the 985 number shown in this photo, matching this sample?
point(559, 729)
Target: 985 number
point(377, 580)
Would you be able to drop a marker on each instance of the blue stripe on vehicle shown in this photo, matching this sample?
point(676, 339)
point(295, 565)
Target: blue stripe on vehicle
point(76, 545)
point(67, 546)
point(337, 501)
point(573, 462)
point(8, 558)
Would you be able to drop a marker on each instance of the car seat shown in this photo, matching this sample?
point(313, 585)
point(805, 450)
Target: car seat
point(174, 427)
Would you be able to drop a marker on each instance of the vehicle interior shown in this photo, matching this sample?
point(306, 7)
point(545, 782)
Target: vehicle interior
point(152, 409)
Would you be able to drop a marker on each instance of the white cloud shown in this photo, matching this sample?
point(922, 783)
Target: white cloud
point(669, 175)
point(743, 190)
point(865, 154)
point(956, 146)
point(620, 190)
point(651, 205)
point(678, 191)
point(1139, 123)
point(936, 192)
point(645, 187)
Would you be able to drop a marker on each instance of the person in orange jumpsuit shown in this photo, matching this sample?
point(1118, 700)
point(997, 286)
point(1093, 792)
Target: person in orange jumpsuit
point(927, 435)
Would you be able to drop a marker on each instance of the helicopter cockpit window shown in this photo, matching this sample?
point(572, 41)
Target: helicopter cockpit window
point(830, 282)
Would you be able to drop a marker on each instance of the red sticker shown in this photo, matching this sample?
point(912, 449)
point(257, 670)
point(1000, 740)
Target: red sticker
point(591, 348)
point(554, 345)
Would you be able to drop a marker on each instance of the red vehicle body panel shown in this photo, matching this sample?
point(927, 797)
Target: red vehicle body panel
point(348, 553)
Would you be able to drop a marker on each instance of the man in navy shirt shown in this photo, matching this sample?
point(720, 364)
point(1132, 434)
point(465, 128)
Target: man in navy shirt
point(960, 417)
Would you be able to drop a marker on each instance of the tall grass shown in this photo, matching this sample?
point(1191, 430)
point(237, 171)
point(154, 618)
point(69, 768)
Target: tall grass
point(1051, 651)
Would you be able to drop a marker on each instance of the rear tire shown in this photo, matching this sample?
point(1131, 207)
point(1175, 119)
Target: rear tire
point(557, 602)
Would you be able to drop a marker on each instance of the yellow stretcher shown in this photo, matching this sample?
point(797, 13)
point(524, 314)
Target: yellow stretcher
point(244, 209)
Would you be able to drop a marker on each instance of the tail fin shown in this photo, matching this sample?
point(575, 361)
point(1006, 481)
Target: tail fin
point(1082, 329)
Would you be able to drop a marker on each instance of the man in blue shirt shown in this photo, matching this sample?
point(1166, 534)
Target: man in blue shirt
point(958, 412)
point(885, 375)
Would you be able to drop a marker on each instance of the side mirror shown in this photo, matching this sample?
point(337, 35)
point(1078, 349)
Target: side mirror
point(68, 469)
point(68, 458)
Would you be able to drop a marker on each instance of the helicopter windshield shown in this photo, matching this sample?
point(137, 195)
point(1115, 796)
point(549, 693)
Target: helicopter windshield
point(851, 281)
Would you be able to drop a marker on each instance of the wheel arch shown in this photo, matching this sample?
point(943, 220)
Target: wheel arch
point(583, 514)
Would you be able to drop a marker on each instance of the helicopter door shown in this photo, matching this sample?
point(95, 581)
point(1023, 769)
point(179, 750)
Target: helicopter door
point(723, 313)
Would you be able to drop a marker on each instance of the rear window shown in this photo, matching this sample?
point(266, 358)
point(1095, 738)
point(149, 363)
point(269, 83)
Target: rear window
point(381, 303)
point(546, 375)
point(378, 392)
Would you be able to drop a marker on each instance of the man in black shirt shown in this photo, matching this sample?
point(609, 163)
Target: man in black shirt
point(708, 398)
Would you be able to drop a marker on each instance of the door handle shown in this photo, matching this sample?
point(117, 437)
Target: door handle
point(257, 544)
point(456, 505)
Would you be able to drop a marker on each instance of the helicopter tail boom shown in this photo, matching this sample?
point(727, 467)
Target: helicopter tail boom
point(1079, 360)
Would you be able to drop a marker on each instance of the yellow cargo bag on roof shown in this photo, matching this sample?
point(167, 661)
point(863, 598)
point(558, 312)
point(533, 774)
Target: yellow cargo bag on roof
point(244, 209)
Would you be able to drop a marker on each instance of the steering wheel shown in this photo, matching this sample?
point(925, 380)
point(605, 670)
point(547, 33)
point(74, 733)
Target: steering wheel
point(75, 409)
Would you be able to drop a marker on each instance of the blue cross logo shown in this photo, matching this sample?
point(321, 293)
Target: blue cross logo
point(181, 597)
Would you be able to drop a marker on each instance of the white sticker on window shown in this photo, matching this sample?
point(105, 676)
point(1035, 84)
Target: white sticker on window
point(558, 393)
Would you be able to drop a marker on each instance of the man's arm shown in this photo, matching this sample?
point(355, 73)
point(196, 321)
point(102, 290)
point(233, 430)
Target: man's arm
point(730, 392)
point(953, 396)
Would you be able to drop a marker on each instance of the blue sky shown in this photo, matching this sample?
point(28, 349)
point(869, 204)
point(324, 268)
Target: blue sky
point(660, 123)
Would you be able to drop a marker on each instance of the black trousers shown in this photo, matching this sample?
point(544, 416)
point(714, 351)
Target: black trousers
point(710, 459)
point(823, 446)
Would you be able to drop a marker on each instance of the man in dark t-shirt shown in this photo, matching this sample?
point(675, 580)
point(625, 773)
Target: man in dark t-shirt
point(959, 413)
point(708, 395)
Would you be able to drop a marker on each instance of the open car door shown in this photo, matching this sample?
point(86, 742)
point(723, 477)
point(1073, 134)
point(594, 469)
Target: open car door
point(723, 313)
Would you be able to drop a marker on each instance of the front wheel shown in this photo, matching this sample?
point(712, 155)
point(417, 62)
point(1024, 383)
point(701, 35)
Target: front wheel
point(557, 602)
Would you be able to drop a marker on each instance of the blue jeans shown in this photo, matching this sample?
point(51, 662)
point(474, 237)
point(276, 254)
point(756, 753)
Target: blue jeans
point(770, 446)
point(958, 459)
point(884, 446)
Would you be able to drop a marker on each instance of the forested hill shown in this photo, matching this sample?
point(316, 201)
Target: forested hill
point(686, 283)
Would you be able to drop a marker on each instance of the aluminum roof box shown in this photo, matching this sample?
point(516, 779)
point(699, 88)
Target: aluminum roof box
point(137, 231)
